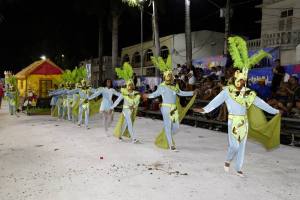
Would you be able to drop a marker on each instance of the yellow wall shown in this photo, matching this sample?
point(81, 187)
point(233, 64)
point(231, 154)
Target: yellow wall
point(33, 82)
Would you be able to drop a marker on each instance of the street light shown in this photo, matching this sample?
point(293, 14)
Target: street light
point(43, 57)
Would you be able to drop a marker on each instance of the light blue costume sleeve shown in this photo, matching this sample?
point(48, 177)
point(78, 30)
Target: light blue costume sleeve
point(216, 102)
point(155, 94)
point(185, 93)
point(116, 103)
point(116, 93)
point(264, 106)
point(96, 93)
point(71, 92)
point(59, 92)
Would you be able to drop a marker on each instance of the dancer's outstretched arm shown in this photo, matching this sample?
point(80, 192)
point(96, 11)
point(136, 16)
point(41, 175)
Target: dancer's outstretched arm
point(74, 91)
point(186, 93)
point(155, 94)
point(264, 106)
point(116, 93)
point(96, 94)
point(116, 103)
point(216, 102)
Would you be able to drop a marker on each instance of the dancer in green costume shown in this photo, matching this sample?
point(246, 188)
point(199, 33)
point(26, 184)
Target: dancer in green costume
point(131, 99)
point(171, 109)
point(245, 116)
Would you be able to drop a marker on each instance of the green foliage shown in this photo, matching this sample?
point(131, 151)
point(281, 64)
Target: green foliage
point(12, 80)
point(126, 73)
point(74, 76)
point(161, 64)
point(239, 53)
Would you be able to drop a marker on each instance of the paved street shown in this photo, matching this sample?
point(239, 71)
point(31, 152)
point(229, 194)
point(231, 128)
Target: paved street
point(45, 159)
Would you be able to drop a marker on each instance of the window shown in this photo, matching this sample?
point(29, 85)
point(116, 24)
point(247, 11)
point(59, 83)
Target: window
point(286, 20)
point(136, 59)
point(148, 55)
point(164, 52)
point(45, 86)
point(125, 58)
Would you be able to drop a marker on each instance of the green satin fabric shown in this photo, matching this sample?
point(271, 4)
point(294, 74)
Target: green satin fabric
point(161, 139)
point(265, 132)
point(94, 108)
point(118, 129)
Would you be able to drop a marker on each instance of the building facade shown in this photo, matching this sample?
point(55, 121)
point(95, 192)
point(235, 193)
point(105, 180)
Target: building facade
point(205, 44)
point(280, 28)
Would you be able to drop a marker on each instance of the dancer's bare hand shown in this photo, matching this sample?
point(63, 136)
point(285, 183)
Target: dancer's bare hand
point(199, 110)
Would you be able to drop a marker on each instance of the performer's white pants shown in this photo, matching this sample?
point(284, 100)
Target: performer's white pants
point(128, 123)
point(169, 126)
point(236, 149)
point(12, 109)
point(86, 112)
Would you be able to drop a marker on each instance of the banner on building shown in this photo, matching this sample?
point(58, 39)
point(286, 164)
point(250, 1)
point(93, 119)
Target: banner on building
point(267, 74)
point(88, 67)
point(209, 62)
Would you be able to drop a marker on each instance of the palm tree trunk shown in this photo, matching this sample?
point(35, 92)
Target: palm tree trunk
point(115, 41)
point(155, 32)
point(100, 50)
point(188, 35)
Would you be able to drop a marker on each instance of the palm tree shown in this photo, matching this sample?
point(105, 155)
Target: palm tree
point(115, 12)
point(98, 9)
point(155, 27)
point(188, 35)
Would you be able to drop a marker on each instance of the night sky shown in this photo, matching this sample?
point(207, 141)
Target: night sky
point(30, 28)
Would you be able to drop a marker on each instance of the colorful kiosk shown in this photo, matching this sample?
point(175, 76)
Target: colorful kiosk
point(39, 78)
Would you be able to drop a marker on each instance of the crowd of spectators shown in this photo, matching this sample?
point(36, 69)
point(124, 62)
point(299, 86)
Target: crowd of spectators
point(283, 93)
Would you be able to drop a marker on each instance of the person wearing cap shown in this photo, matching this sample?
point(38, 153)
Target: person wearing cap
point(131, 99)
point(170, 103)
point(107, 93)
point(244, 107)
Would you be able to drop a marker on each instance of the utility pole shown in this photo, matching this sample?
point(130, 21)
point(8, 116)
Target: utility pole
point(142, 37)
point(227, 27)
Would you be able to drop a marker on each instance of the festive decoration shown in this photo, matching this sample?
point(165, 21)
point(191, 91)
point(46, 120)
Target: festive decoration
point(239, 53)
point(126, 73)
point(161, 64)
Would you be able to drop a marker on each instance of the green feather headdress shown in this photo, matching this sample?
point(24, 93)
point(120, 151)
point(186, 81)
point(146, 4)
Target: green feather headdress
point(239, 54)
point(11, 81)
point(126, 73)
point(74, 76)
point(165, 67)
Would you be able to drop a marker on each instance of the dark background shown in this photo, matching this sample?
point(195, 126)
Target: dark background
point(30, 28)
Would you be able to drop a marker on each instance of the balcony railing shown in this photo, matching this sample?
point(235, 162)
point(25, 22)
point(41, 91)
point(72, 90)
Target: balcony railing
point(274, 39)
point(282, 38)
point(254, 44)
